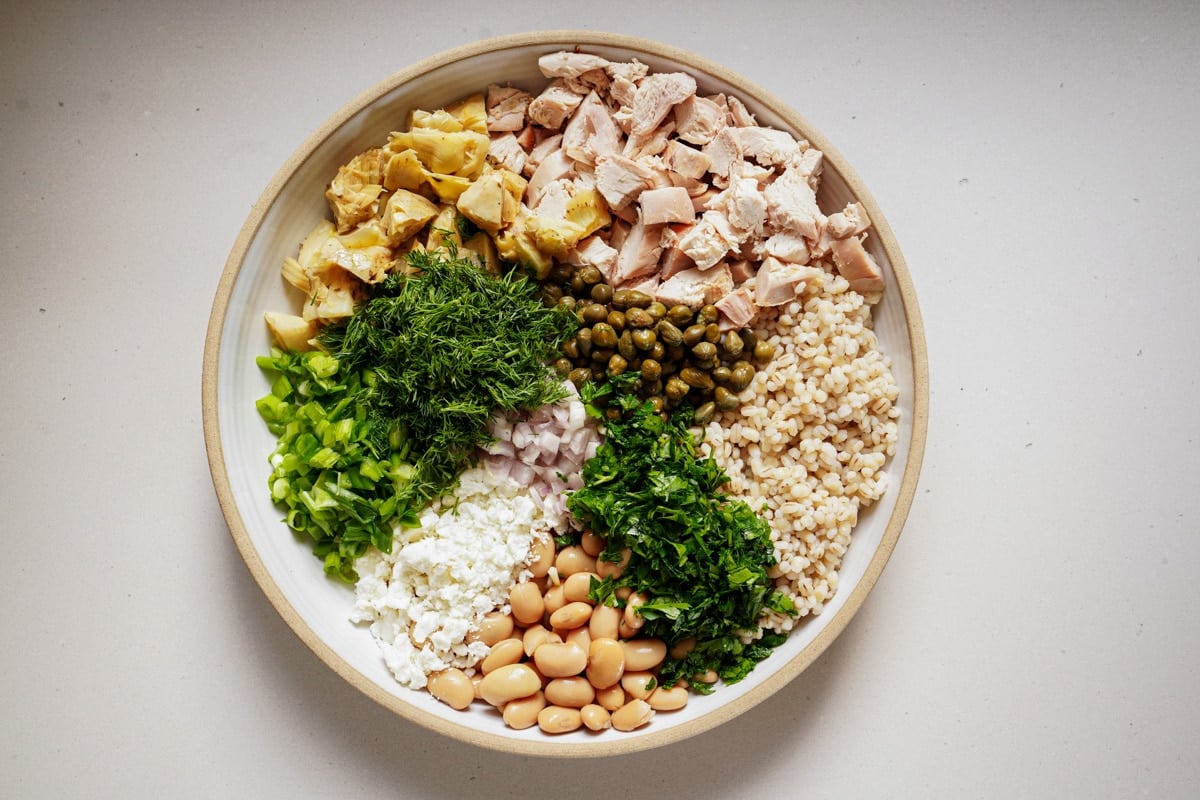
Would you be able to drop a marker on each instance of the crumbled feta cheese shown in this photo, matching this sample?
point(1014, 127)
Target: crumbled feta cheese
point(423, 598)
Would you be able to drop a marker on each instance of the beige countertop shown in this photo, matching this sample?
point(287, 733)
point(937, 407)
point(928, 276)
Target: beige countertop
point(1033, 634)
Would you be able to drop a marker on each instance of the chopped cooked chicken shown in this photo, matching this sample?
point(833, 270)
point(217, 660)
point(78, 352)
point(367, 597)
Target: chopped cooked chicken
point(594, 80)
point(551, 108)
point(737, 308)
point(687, 161)
point(723, 151)
point(553, 167)
point(622, 91)
point(810, 164)
point(594, 252)
point(568, 64)
point(506, 151)
point(708, 241)
point(695, 287)
point(787, 247)
point(641, 145)
point(638, 255)
point(777, 282)
point(540, 150)
point(851, 221)
point(857, 266)
point(739, 115)
point(353, 192)
point(591, 131)
point(744, 206)
point(553, 198)
point(768, 146)
point(620, 179)
point(698, 120)
point(666, 204)
point(742, 270)
point(656, 95)
point(792, 205)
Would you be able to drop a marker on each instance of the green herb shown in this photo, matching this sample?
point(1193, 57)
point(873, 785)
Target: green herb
point(340, 488)
point(699, 556)
point(449, 347)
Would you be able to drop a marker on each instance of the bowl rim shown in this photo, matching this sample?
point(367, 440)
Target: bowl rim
point(550, 747)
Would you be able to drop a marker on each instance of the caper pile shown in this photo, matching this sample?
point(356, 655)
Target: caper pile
point(681, 354)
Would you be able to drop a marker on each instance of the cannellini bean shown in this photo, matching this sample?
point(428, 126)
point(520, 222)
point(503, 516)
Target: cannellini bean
point(580, 636)
point(643, 654)
point(632, 715)
point(577, 587)
point(605, 622)
point(614, 568)
point(452, 687)
point(611, 698)
point(595, 717)
point(571, 616)
point(606, 662)
point(572, 692)
point(543, 554)
point(492, 628)
point(592, 543)
point(508, 683)
point(573, 559)
point(554, 599)
point(523, 712)
point(668, 699)
point(683, 648)
point(560, 660)
point(536, 635)
point(526, 602)
point(638, 685)
point(633, 619)
point(508, 651)
point(556, 719)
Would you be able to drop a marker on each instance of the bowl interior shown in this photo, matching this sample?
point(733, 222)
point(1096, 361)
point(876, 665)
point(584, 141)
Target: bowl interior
point(317, 608)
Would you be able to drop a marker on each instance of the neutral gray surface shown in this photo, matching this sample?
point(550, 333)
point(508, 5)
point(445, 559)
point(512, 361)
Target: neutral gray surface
point(1035, 633)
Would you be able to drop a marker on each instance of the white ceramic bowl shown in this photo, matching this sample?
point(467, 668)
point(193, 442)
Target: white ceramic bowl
point(238, 442)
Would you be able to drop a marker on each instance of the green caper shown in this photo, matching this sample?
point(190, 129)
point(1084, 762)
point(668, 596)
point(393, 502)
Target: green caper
point(656, 310)
point(601, 355)
point(651, 369)
point(680, 315)
point(563, 366)
point(612, 414)
point(704, 413)
point(602, 293)
point(617, 364)
point(704, 351)
point(570, 349)
point(764, 351)
point(589, 275)
point(583, 341)
point(604, 335)
point(626, 347)
point(638, 318)
point(578, 287)
point(693, 334)
point(620, 299)
point(568, 302)
point(656, 403)
point(579, 376)
point(598, 370)
point(643, 338)
point(725, 399)
point(721, 375)
point(561, 273)
point(657, 351)
point(593, 313)
point(551, 294)
point(740, 376)
point(652, 389)
point(712, 332)
point(617, 320)
point(675, 389)
point(749, 339)
point(696, 378)
point(675, 352)
point(731, 344)
point(668, 333)
point(707, 314)
point(638, 299)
